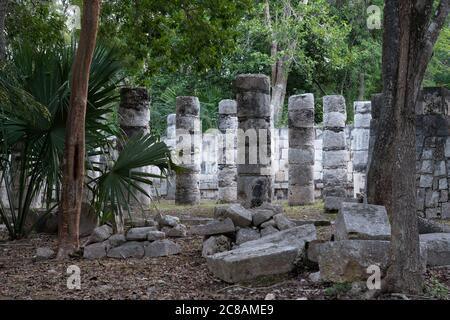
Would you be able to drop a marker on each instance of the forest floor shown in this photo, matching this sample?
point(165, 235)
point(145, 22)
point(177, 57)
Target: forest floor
point(184, 276)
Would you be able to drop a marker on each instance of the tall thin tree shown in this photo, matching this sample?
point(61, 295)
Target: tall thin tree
point(74, 153)
point(3, 13)
point(411, 28)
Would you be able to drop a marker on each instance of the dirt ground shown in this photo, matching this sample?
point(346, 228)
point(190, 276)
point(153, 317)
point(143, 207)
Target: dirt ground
point(184, 276)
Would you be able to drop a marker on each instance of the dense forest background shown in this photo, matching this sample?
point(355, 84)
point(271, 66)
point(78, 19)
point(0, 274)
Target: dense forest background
point(198, 47)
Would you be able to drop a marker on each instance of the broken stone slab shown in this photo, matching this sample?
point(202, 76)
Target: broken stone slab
point(363, 222)
point(166, 220)
point(283, 222)
point(277, 208)
point(96, 250)
point(247, 234)
point(314, 277)
point(262, 215)
point(213, 228)
point(270, 223)
point(272, 254)
point(131, 249)
point(268, 230)
point(438, 248)
point(162, 248)
point(216, 244)
point(240, 216)
point(194, 221)
point(178, 231)
point(44, 253)
point(247, 263)
point(429, 226)
point(316, 222)
point(155, 235)
point(139, 234)
point(116, 240)
point(141, 222)
point(348, 260)
point(100, 234)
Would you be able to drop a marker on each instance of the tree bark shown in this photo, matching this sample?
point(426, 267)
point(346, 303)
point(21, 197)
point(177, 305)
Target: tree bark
point(3, 13)
point(408, 40)
point(362, 87)
point(74, 153)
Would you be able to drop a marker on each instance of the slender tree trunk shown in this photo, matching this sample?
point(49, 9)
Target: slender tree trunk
point(279, 86)
point(408, 40)
point(74, 154)
point(3, 13)
point(362, 87)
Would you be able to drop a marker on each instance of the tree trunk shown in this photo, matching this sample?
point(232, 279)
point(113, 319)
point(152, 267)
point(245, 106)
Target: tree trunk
point(408, 39)
point(279, 86)
point(3, 13)
point(74, 153)
point(362, 87)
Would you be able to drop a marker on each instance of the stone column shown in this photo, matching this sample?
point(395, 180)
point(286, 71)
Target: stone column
point(335, 153)
point(360, 146)
point(171, 141)
point(301, 149)
point(134, 118)
point(254, 140)
point(227, 169)
point(188, 150)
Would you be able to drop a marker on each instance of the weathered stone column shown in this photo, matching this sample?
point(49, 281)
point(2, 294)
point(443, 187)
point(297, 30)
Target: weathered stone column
point(188, 150)
point(335, 153)
point(360, 146)
point(254, 140)
point(171, 142)
point(227, 169)
point(301, 149)
point(134, 118)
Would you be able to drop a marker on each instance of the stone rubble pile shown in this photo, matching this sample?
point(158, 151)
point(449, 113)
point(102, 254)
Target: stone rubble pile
point(146, 240)
point(243, 244)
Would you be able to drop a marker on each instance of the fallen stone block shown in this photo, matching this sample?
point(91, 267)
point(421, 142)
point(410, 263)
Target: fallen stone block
point(270, 223)
point(272, 254)
point(268, 231)
point(240, 216)
point(96, 250)
point(438, 248)
point(130, 249)
point(248, 263)
point(262, 215)
point(44, 253)
point(166, 220)
point(161, 248)
point(139, 234)
point(116, 240)
point(155, 235)
point(348, 260)
point(100, 234)
point(178, 231)
point(363, 222)
point(213, 228)
point(283, 222)
point(215, 244)
point(247, 234)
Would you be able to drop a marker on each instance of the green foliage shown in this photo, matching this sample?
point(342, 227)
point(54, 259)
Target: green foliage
point(160, 36)
point(436, 289)
point(438, 73)
point(338, 289)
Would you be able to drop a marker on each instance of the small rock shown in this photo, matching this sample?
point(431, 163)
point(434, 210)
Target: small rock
point(96, 250)
point(116, 240)
point(283, 222)
point(246, 234)
point(270, 296)
point(100, 234)
point(178, 231)
point(155, 235)
point(139, 234)
point(161, 248)
point(44, 253)
point(130, 249)
point(314, 277)
point(268, 230)
point(216, 244)
point(166, 220)
point(213, 228)
point(273, 207)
